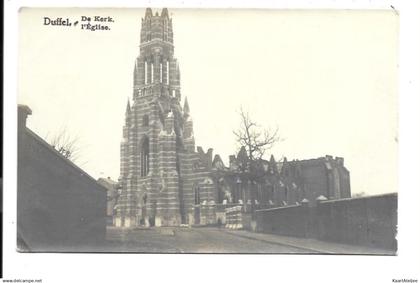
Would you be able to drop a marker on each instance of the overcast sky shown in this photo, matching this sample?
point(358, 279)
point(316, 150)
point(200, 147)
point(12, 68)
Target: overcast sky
point(326, 79)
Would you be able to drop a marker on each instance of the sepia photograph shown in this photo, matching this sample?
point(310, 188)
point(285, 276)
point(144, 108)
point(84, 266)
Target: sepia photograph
point(209, 131)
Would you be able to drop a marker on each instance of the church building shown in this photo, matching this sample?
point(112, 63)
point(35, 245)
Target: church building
point(160, 169)
point(166, 181)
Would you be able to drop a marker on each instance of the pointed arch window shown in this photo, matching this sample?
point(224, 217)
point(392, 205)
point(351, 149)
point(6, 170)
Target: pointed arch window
point(144, 157)
point(165, 30)
point(196, 194)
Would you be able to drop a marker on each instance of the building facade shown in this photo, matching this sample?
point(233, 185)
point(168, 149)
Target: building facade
point(166, 181)
point(59, 206)
point(159, 165)
point(278, 184)
point(309, 179)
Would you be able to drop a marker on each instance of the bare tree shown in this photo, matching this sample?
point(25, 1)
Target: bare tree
point(66, 145)
point(254, 138)
point(254, 142)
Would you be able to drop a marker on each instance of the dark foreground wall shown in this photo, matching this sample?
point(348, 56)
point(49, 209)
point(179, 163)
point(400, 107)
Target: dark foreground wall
point(59, 206)
point(369, 221)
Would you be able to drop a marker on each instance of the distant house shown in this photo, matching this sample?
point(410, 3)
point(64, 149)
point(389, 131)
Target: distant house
point(59, 206)
point(112, 196)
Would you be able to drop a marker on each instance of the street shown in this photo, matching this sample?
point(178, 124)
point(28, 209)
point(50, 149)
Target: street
point(190, 240)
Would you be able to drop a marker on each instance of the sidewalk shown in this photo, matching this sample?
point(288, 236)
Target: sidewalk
point(316, 246)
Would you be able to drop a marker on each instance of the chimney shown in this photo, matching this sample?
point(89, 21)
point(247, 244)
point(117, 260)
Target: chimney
point(23, 112)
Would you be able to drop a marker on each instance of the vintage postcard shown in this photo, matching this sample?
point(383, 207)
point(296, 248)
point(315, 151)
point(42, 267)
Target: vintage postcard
point(156, 130)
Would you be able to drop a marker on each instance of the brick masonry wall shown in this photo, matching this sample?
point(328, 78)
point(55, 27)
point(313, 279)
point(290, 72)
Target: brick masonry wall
point(174, 166)
point(325, 176)
point(369, 221)
point(164, 196)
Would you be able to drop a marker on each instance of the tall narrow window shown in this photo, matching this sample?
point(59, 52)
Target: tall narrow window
point(165, 30)
point(145, 73)
point(144, 157)
point(173, 93)
point(196, 194)
point(167, 72)
point(152, 73)
point(161, 73)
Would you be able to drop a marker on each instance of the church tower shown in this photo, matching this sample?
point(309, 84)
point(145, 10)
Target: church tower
point(156, 130)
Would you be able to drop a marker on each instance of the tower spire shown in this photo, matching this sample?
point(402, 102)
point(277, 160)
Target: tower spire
point(164, 13)
point(149, 13)
point(128, 109)
point(186, 107)
point(156, 27)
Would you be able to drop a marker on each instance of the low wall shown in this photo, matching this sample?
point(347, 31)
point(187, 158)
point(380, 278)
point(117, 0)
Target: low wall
point(234, 217)
point(220, 211)
point(369, 221)
point(237, 215)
